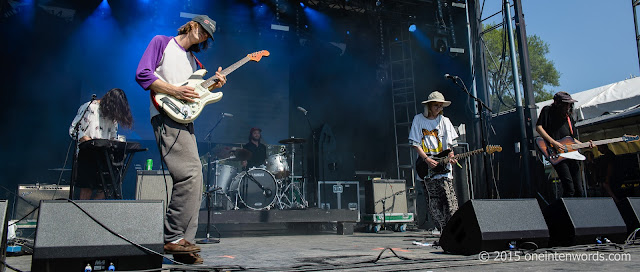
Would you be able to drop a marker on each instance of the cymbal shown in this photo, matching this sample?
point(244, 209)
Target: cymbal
point(292, 140)
point(241, 155)
point(59, 169)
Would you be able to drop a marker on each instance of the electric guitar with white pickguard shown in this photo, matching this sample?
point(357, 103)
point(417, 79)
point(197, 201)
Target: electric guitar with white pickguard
point(185, 112)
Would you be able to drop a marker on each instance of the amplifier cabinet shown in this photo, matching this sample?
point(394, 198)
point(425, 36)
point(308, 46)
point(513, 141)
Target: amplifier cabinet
point(29, 196)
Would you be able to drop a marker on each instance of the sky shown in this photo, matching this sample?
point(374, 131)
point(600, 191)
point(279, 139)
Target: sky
point(591, 42)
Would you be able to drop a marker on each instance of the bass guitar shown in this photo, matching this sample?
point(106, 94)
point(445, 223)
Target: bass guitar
point(443, 159)
point(569, 148)
point(185, 112)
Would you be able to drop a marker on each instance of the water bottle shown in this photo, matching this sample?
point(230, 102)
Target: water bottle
point(111, 267)
point(88, 268)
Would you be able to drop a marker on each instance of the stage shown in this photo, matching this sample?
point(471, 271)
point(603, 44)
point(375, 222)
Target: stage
point(326, 251)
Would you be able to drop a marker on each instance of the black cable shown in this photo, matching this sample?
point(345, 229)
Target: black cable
point(27, 215)
point(119, 235)
point(10, 267)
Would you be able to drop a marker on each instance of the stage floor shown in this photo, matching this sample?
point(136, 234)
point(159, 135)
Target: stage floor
point(359, 252)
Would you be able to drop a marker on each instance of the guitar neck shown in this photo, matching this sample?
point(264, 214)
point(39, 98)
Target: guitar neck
point(212, 80)
point(599, 142)
point(464, 155)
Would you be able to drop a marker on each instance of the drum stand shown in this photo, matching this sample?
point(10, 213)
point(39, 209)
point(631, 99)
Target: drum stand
point(293, 187)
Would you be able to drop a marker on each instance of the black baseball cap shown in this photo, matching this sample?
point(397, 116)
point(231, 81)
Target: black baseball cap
point(564, 97)
point(206, 23)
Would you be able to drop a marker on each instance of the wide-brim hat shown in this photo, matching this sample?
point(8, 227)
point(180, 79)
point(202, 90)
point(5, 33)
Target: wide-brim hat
point(206, 23)
point(437, 97)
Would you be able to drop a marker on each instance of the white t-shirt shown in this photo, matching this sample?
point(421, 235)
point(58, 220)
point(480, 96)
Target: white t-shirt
point(93, 125)
point(433, 136)
point(176, 67)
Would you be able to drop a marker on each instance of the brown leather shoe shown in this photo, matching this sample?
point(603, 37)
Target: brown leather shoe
point(191, 258)
point(182, 247)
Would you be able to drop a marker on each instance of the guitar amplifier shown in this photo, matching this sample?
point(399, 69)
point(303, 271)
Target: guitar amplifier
point(151, 185)
point(339, 195)
point(390, 191)
point(29, 196)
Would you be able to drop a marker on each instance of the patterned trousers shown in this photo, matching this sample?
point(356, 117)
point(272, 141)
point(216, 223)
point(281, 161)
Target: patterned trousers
point(441, 199)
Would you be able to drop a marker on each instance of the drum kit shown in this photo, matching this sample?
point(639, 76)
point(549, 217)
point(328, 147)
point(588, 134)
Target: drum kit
point(271, 185)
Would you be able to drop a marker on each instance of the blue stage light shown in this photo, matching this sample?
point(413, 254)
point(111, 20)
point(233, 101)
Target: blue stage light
point(412, 28)
point(302, 4)
point(348, 32)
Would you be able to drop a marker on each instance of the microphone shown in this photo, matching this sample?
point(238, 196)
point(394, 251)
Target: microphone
point(227, 114)
point(302, 110)
point(450, 76)
point(93, 97)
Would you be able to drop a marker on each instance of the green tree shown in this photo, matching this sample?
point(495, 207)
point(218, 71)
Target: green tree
point(543, 71)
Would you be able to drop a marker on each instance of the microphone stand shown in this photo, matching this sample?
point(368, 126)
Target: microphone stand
point(74, 165)
point(208, 192)
point(483, 138)
point(313, 154)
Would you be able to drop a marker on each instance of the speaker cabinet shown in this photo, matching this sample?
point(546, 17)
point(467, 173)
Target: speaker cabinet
point(577, 221)
point(151, 185)
point(31, 194)
point(391, 191)
point(3, 233)
point(67, 238)
point(630, 210)
point(490, 225)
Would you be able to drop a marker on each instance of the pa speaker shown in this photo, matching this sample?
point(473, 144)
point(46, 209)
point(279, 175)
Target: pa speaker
point(67, 238)
point(491, 224)
point(3, 233)
point(630, 210)
point(578, 221)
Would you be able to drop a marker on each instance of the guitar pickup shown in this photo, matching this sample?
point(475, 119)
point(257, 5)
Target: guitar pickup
point(172, 106)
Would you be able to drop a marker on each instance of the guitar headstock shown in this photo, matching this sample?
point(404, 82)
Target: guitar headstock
point(493, 148)
point(257, 56)
point(630, 138)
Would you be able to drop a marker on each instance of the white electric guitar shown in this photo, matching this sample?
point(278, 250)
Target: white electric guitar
point(185, 112)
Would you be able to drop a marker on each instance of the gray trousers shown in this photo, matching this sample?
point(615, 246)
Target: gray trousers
point(177, 143)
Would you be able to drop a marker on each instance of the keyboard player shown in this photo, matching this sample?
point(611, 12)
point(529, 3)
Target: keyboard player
point(100, 121)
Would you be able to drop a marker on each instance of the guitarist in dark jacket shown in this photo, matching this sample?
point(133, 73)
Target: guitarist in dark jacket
point(555, 122)
point(432, 133)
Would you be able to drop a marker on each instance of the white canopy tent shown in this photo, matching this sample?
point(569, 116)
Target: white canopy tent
point(615, 97)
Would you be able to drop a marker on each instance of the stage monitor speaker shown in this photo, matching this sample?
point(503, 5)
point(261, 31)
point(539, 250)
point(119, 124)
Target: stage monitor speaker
point(151, 185)
point(578, 221)
point(630, 210)
point(31, 194)
point(3, 233)
point(67, 239)
point(492, 225)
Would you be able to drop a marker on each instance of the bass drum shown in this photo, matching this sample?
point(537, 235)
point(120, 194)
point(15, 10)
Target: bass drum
point(256, 188)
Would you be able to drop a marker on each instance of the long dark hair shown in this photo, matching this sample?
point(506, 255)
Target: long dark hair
point(557, 106)
point(115, 106)
point(188, 27)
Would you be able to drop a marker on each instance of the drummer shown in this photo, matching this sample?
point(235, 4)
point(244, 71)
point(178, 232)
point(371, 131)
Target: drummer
point(258, 150)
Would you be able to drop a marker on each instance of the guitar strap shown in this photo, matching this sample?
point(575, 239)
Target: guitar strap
point(570, 127)
point(197, 61)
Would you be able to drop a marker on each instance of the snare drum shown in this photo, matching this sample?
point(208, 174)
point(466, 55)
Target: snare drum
point(256, 188)
point(277, 164)
point(224, 176)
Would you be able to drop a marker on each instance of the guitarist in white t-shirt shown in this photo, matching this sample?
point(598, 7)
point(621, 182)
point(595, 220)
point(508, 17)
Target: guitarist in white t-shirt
point(168, 61)
point(430, 134)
